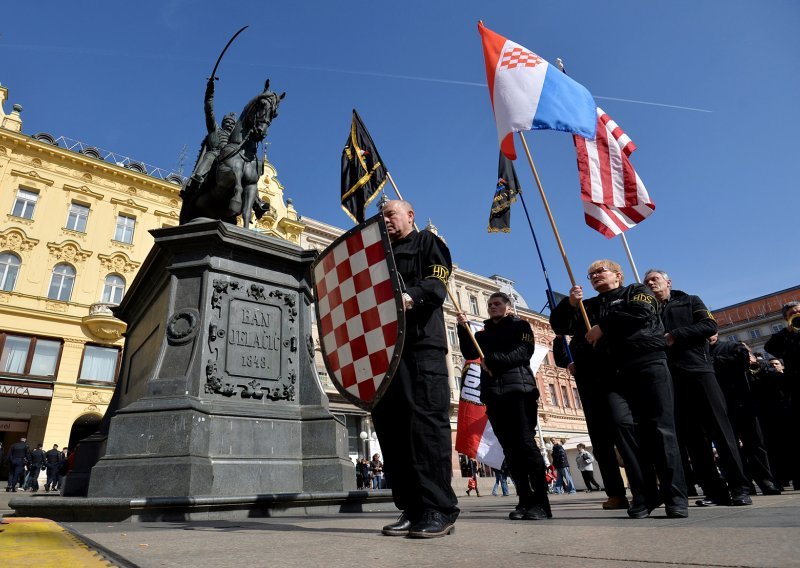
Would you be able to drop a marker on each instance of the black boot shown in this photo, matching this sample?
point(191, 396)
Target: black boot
point(433, 525)
point(399, 527)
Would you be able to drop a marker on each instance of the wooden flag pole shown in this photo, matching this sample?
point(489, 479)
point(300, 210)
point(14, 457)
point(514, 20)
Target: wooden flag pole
point(630, 257)
point(555, 229)
point(449, 292)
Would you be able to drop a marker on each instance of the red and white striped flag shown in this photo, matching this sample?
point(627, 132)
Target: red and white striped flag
point(614, 198)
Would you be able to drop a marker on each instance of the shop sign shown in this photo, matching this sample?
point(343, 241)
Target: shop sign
point(11, 426)
point(25, 391)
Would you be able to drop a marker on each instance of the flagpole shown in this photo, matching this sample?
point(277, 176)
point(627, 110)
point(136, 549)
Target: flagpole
point(630, 257)
point(555, 229)
point(449, 292)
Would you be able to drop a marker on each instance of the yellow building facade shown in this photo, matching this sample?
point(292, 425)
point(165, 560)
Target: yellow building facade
point(73, 232)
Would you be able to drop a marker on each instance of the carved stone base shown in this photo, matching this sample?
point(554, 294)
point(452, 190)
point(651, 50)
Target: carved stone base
point(218, 394)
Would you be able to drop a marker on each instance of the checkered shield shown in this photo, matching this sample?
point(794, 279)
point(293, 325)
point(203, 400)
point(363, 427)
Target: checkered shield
point(360, 315)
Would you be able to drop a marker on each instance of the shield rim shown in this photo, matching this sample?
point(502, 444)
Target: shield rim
point(399, 307)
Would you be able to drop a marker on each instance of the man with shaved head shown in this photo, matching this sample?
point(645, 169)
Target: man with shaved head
point(412, 419)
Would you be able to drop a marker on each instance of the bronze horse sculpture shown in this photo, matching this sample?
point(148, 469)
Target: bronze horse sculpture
point(230, 188)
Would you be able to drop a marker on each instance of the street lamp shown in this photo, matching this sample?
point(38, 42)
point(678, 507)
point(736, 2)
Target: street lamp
point(363, 435)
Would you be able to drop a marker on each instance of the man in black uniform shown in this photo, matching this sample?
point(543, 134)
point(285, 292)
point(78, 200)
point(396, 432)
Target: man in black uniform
point(626, 327)
point(589, 367)
point(786, 345)
point(699, 403)
point(732, 360)
point(52, 460)
point(17, 457)
point(412, 418)
point(508, 389)
point(35, 465)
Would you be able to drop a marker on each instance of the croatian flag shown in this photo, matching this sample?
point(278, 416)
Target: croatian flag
point(529, 93)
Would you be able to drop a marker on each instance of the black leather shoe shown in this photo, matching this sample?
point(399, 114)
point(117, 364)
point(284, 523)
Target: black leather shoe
point(770, 489)
point(535, 514)
point(399, 527)
point(517, 514)
point(741, 500)
point(677, 512)
point(642, 510)
point(433, 525)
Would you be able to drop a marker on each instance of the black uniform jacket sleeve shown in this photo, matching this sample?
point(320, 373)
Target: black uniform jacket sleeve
point(435, 267)
point(701, 327)
point(507, 344)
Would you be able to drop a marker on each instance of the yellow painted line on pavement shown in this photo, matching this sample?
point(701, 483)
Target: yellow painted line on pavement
point(27, 541)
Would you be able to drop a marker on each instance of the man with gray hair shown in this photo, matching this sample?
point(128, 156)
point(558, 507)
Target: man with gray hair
point(786, 345)
point(700, 410)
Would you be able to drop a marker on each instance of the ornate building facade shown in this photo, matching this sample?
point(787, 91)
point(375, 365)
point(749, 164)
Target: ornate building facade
point(74, 222)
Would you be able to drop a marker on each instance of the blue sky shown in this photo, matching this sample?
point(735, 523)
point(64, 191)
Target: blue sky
point(130, 77)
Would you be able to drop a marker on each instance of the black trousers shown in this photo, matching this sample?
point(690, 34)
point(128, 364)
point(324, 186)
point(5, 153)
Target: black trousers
point(588, 480)
point(513, 417)
point(412, 421)
point(701, 418)
point(642, 406)
point(753, 452)
point(594, 397)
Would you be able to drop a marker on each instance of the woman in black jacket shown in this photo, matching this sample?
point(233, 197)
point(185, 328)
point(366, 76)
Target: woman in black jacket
point(627, 335)
point(508, 389)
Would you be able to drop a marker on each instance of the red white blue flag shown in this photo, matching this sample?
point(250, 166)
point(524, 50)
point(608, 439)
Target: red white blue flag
point(528, 93)
point(614, 197)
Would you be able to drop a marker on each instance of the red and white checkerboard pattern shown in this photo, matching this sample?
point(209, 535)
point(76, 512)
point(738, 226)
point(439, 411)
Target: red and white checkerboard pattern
point(519, 57)
point(357, 312)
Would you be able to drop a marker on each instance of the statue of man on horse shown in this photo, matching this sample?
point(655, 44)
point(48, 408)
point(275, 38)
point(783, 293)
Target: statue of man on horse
point(223, 184)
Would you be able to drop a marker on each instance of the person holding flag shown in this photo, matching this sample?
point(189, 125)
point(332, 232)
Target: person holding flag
point(508, 389)
point(627, 331)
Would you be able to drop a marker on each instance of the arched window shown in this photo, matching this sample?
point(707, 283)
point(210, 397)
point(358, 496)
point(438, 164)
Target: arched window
point(113, 289)
point(62, 282)
point(9, 268)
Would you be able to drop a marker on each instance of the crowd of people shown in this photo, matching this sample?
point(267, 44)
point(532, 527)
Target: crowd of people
point(369, 473)
point(26, 465)
point(681, 408)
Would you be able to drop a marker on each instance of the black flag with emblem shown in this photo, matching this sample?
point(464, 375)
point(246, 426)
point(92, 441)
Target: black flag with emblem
point(363, 171)
point(504, 196)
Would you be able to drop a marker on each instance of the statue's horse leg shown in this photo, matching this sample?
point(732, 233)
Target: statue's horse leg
point(250, 191)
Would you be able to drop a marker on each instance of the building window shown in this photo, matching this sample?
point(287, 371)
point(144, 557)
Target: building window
point(473, 304)
point(113, 289)
point(565, 397)
point(452, 335)
point(99, 364)
point(25, 204)
point(733, 338)
point(577, 397)
point(9, 268)
point(553, 398)
point(29, 355)
point(125, 226)
point(776, 328)
point(62, 282)
point(755, 334)
point(77, 217)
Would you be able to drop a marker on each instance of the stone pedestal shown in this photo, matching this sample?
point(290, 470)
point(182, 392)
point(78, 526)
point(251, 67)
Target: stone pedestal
point(217, 394)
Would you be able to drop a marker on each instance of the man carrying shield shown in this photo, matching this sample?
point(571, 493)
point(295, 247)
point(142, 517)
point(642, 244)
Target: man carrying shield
point(412, 418)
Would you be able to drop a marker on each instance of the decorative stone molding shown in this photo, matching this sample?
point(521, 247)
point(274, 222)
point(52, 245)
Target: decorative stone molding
point(16, 240)
point(118, 262)
point(91, 397)
point(84, 191)
point(169, 214)
point(56, 306)
point(32, 175)
point(68, 251)
point(129, 203)
point(5, 297)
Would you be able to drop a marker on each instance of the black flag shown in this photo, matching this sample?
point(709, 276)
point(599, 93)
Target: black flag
point(363, 171)
point(504, 196)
